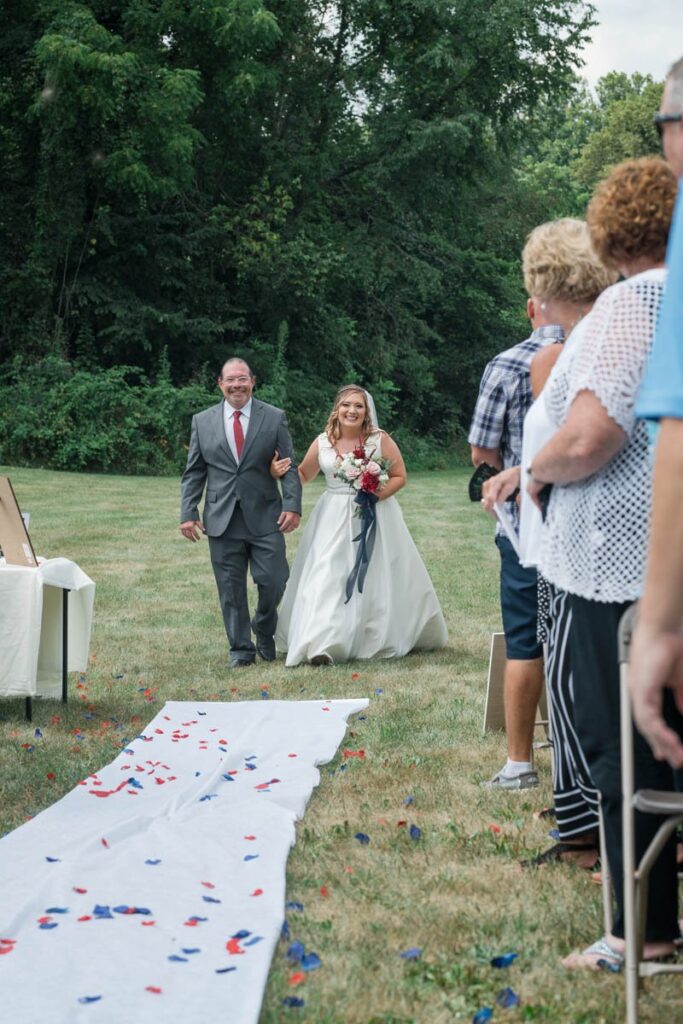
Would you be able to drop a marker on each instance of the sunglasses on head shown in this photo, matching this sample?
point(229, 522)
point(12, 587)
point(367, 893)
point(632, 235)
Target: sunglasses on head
point(661, 119)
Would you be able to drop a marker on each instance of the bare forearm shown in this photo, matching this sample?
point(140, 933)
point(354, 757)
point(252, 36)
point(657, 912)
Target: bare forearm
point(662, 601)
point(393, 484)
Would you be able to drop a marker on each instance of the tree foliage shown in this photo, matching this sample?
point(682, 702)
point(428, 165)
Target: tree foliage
point(334, 190)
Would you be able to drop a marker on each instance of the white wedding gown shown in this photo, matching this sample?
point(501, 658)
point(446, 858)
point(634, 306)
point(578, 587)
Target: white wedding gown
point(398, 610)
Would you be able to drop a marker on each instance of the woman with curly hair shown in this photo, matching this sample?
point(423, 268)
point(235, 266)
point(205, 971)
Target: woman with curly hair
point(594, 539)
point(396, 610)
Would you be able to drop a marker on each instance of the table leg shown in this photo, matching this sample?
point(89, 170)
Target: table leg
point(65, 640)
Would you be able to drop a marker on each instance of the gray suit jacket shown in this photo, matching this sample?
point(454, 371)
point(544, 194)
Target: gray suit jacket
point(210, 463)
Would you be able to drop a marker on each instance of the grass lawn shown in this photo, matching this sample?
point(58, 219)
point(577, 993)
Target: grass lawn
point(457, 892)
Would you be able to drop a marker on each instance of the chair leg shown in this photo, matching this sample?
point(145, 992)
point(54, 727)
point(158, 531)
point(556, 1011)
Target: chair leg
point(631, 888)
point(606, 877)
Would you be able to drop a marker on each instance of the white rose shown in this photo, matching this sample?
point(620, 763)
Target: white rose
point(352, 472)
point(373, 468)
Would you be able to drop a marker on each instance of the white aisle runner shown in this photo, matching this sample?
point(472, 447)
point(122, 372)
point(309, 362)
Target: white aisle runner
point(155, 889)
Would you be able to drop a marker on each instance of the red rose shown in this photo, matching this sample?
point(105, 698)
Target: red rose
point(359, 452)
point(369, 482)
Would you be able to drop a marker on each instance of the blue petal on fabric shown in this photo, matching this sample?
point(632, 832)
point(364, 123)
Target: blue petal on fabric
point(199, 920)
point(123, 909)
point(209, 796)
point(153, 863)
point(225, 970)
point(57, 910)
point(504, 960)
point(211, 899)
point(101, 911)
point(250, 767)
point(415, 832)
point(251, 856)
point(293, 1001)
point(228, 778)
point(135, 784)
point(296, 952)
point(241, 934)
point(362, 838)
point(411, 954)
point(284, 931)
point(481, 1016)
point(188, 952)
point(89, 999)
point(175, 959)
point(38, 734)
point(46, 925)
point(408, 800)
point(507, 997)
point(311, 962)
point(294, 905)
point(52, 860)
point(201, 712)
point(252, 757)
point(252, 942)
point(197, 774)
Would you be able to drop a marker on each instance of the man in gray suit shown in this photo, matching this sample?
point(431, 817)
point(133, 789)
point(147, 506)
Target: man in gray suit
point(245, 519)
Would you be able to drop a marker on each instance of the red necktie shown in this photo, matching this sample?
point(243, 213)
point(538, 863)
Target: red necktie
point(239, 433)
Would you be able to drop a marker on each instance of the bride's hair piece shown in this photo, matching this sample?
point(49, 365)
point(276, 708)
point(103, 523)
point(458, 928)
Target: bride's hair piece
point(333, 429)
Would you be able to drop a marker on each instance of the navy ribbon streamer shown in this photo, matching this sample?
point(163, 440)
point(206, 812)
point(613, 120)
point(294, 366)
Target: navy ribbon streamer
point(365, 541)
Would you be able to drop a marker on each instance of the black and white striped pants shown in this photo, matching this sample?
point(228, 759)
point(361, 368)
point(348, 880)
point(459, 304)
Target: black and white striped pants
point(575, 796)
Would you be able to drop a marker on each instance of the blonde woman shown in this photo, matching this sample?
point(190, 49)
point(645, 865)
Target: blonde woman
point(397, 609)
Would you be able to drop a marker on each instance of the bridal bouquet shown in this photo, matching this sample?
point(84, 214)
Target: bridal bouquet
point(364, 473)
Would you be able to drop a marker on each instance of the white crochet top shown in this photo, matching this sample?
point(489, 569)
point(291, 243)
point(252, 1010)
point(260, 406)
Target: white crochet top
point(595, 536)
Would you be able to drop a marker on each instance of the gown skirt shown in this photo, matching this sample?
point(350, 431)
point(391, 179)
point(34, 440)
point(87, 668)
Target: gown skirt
point(398, 610)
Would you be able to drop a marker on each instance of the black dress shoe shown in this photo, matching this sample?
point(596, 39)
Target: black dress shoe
point(265, 648)
point(240, 663)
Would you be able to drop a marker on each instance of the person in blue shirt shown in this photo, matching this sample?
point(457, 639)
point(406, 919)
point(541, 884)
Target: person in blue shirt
point(656, 673)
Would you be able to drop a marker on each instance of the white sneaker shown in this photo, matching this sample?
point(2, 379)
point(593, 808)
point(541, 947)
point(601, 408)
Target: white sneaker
point(525, 780)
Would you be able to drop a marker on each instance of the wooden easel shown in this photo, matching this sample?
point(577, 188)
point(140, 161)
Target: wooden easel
point(494, 712)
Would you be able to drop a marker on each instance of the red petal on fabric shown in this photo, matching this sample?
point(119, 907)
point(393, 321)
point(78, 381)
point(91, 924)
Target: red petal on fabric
point(292, 755)
point(223, 741)
point(297, 978)
point(153, 988)
point(147, 924)
point(257, 892)
point(209, 885)
point(85, 917)
point(248, 837)
point(233, 947)
point(45, 919)
point(78, 889)
point(105, 843)
point(159, 781)
point(324, 709)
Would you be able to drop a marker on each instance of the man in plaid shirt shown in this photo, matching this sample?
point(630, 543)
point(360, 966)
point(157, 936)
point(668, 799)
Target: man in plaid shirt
point(495, 437)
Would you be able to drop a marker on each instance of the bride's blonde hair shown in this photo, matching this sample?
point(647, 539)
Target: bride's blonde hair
point(333, 430)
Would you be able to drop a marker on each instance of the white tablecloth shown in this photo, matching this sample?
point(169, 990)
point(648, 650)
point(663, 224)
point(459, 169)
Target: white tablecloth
point(31, 626)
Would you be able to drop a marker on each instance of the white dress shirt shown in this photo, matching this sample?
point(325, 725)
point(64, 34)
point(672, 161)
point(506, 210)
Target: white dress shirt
point(229, 424)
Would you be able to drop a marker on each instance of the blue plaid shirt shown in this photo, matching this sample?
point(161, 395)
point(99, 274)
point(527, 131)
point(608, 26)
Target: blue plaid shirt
point(505, 398)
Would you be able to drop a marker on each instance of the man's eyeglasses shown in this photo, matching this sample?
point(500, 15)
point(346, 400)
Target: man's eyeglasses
point(661, 119)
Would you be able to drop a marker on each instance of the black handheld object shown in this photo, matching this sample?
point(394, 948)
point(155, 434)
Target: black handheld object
point(482, 473)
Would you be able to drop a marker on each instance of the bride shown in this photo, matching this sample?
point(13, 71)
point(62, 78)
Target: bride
point(397, 610)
